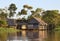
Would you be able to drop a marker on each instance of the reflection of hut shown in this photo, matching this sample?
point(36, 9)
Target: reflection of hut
point(32, 34)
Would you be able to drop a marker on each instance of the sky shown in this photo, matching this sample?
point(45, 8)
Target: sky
point(45, 4)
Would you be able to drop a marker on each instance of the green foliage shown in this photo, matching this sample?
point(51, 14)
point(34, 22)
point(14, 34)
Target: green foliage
point(25, 6)
point(38, 10)
point(57, 20)
point(23, 11)
point(23, 18)
point(50, 17)
point(19, 13)
point(38, 16)
point(3, 22)
point(11, 14)
point(3, 15)
point(12, 8)
point(30, 7)
point(33, 12)
point(29, 17)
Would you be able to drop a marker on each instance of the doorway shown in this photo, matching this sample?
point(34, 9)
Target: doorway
point(23, 27)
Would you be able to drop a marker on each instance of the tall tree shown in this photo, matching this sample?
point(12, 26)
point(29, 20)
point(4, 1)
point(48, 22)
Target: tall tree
point(3, 16)
point(12, 8)
point(23, 11)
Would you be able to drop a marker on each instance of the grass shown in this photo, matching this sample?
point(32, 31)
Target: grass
point(57, 28)
point(8, 30)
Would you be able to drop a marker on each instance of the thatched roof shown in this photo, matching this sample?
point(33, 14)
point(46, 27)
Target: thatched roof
point(34, 20)
point(41, 21)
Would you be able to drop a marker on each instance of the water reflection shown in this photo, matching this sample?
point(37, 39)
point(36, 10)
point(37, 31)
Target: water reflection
point(42, 35)
point(50, 36)
point(28, 36)
point(31, 35)
point(3, 36)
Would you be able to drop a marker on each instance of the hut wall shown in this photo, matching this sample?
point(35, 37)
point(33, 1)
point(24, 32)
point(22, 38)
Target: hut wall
point(42, 27)
point(32, 34)
point(30, 26)
point(35, 27)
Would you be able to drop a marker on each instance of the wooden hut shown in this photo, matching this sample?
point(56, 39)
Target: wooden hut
point(11, 23)
point(33, 23)
point(21, 24)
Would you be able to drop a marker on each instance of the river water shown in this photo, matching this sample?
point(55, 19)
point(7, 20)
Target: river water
point(31, 35)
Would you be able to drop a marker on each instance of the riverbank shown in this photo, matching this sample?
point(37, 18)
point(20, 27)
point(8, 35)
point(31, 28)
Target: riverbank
point(57, 29)
point(8, 30)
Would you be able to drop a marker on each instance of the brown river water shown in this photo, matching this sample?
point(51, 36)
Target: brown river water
point(31, 35)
